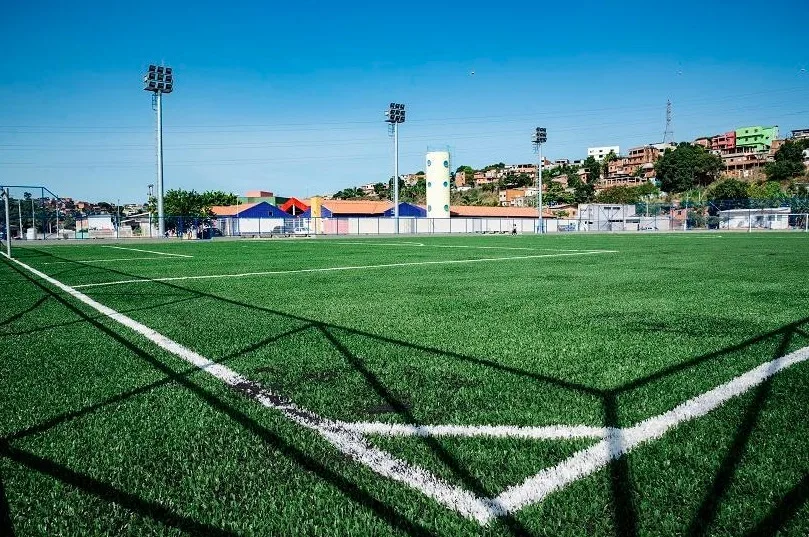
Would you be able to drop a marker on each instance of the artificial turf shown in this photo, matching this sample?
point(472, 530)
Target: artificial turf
point(104, 433)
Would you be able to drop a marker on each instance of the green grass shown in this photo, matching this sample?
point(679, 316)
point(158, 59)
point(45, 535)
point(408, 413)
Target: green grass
point(104, 433)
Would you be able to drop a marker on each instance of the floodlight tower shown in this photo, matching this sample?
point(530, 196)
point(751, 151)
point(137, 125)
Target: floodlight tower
point(540, 137)
point(159, 80)
point(395, 115)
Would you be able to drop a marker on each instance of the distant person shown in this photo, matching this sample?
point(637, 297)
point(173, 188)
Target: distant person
point(514, 230)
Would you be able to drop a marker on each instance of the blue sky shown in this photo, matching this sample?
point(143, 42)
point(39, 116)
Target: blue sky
point(289, 97)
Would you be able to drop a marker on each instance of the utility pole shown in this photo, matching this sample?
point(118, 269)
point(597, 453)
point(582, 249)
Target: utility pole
point(34, 218)
point(19, 213)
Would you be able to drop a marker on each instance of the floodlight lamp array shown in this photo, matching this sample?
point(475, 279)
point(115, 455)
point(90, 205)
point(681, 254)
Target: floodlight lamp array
point(395, 113)
point(541, 135)
point(159, 79)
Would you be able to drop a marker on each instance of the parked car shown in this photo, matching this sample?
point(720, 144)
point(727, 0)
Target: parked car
point(292, 227)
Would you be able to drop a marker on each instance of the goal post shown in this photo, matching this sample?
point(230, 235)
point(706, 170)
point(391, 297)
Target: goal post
point(5, 232)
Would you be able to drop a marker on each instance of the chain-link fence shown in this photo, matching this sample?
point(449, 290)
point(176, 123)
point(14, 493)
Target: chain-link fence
point(36, 217)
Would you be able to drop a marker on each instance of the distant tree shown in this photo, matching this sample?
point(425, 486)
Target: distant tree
point(212, 198)
point(390, 186)
point(584, 190)
point(770, 190)
point(618, 194)
point(593, 168)
point(108, 208)
point(185, 203)
point(521, 180)
point(381, 190)
point(727, 189)
point(468, 171)
point(416, 193)
point(628, 194)
point(687, 166)
point(349, 194)
point(798, 189)
point(555, 193)
point(788, 161)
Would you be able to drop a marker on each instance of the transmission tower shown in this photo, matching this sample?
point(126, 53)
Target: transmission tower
point(668, 134)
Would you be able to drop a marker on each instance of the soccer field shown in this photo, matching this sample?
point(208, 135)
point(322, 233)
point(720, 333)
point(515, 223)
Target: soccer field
point(488, 385)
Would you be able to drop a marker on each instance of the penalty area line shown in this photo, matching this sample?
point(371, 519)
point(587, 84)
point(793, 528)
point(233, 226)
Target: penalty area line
point(147, 251)
point(545, 432)
point(115, 259)
point(335, 269)
point(460, 246)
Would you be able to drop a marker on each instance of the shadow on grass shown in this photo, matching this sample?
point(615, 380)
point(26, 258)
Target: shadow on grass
point(623, 497)
point(163, 515)
point(6, 527)
point(108, 492)
point(713, 497)
point(19, 315)
point(784, 511)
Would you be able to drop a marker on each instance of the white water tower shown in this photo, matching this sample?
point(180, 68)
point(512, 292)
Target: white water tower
point(437, 177)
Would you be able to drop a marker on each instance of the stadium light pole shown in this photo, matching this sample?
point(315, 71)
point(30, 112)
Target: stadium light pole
point(159, 80)
point(395, 115)
point(540, 137)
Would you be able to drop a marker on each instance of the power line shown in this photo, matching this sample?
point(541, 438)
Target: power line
point(342, 125)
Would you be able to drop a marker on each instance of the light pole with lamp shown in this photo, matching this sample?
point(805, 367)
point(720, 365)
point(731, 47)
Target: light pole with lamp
point(540, 137)
point(159, 80)
point(395, 115)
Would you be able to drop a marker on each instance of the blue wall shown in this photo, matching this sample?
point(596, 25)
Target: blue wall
point(263, 210)
point(407, 209)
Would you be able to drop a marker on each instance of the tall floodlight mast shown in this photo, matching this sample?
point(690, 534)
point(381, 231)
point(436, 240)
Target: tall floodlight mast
point(159, 80)
point(540, 137)
point(394, 116)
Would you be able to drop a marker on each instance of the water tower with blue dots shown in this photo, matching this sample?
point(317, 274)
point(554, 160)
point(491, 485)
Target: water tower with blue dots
point(438, 178)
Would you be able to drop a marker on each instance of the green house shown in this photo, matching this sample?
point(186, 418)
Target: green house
point(757, 137)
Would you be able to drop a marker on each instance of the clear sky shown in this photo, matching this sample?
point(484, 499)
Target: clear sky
point(289, 96)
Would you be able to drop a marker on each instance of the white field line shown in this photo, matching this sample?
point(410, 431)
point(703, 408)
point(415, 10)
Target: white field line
point(349, 442)
point(534, 489)
point(421, 244)
point(147, 251)
point(332, 269)
point(369, 243)
point(111, 260)
point(549, 432)
point(622, 441)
